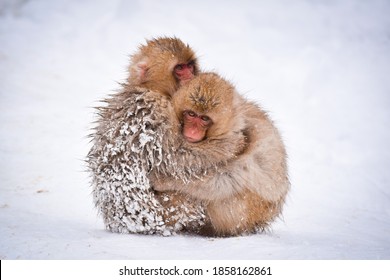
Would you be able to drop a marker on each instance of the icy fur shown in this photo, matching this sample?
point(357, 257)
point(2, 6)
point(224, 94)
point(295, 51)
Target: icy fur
point(127, 145)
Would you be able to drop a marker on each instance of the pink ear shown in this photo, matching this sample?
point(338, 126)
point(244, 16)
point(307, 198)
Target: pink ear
point(141, 70)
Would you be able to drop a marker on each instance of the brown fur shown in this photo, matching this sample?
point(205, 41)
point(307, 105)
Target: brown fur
point(241, 171)
point(152, 66)
point(241, 213)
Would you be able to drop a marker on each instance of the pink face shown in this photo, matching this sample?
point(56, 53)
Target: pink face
point(185, 71)
point(195, 126)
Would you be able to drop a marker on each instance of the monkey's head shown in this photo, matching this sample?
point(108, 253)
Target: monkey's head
point(205, 107)
point(163, 65)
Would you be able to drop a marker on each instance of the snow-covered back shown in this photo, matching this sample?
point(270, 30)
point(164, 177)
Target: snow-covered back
point(319, 67)
point(130, 140)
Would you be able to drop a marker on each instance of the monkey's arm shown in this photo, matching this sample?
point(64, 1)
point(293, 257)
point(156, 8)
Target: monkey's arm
point(260, 167)
point(163, 183)
point(185, 160)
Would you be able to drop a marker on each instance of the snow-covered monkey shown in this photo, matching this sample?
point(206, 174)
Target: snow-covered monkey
point(127, 144)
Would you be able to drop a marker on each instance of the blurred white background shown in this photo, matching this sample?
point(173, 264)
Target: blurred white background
point(321, 69)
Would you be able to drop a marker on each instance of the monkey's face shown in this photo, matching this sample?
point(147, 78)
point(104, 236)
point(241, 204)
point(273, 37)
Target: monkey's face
point(195, 126)
point(184, 72)
point(204, 108)
point(163, 65)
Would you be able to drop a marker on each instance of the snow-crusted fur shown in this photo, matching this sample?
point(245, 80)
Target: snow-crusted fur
point(127, 145)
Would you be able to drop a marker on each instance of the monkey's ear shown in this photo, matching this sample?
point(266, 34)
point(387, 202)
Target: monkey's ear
point(141, 69)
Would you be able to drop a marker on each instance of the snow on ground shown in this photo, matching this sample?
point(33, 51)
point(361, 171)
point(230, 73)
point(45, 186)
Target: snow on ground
point(321, 68)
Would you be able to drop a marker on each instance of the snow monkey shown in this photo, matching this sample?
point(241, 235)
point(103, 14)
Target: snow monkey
point(127, 144)
point(235, 152)
point(162, 65)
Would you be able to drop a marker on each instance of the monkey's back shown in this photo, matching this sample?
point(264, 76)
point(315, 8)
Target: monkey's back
point(126, 147)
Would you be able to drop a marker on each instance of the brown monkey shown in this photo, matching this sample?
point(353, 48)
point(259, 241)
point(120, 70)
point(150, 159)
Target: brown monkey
point(235, 153)
point(162, 65)
point(127, 144)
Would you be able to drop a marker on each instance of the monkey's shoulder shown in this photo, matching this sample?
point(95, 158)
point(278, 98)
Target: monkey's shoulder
point(148, 96)
point(132, 97)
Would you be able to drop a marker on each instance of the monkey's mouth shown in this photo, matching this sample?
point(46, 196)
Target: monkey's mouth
point(192, 140)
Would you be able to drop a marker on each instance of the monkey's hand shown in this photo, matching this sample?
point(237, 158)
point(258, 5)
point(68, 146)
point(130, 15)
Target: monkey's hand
point(160, 187)
point(162, 184)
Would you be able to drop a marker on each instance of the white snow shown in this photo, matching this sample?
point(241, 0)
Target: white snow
point(321, 68)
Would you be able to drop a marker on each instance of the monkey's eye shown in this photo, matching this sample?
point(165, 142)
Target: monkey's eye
point(190, 113)
point(191, 63)
point(205, 118)
point(179, 67)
